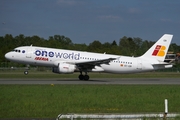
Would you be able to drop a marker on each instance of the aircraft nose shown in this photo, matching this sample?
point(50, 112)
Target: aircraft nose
point(8, 56)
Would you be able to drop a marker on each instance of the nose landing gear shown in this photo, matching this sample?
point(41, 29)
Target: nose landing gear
point(26, 70)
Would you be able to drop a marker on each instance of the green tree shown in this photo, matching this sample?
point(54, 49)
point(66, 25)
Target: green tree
point(81, 47)
point(114, 43)
point(127, 46)
point(174, 48)
point(95, 46)
point(137, 46)
point(144, 47)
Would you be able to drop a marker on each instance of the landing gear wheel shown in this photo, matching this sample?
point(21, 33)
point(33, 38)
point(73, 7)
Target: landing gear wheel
point(81, 77)
point(25, 72)
point(86, 77)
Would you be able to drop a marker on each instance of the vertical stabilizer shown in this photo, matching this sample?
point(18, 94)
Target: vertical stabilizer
point(160, 48)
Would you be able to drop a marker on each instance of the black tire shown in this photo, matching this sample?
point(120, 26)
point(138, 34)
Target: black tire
point(81, 77)
point(86, 77)
point(26, 72)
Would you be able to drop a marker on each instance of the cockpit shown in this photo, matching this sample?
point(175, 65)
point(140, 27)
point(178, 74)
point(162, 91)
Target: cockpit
point(16, 54)
point(19, 51)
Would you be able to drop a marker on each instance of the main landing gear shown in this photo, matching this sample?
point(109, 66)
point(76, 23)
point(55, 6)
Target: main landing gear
point(83, 77)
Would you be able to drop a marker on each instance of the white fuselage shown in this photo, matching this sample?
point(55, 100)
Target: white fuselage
point(42, 56)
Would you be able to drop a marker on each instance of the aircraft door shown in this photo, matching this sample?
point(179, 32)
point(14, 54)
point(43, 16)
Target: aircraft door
point(28, 52)
point(139, 64)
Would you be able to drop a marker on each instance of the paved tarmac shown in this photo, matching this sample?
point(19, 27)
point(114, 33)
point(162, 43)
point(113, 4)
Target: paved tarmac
point(144, 81)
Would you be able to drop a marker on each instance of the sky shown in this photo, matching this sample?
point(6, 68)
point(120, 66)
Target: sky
point(84, 21)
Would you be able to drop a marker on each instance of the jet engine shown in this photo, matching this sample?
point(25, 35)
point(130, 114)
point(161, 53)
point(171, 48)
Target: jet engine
point(64, 68)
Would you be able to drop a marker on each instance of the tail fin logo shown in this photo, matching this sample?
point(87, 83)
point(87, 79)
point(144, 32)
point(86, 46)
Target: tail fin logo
point(159, 51)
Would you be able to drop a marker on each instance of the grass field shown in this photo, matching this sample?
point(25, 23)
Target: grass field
point(47, 101)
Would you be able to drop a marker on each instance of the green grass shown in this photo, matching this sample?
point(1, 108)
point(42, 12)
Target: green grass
point(47, 101)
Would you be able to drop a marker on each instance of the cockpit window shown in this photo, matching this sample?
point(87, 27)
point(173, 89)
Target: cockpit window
point(16, 50)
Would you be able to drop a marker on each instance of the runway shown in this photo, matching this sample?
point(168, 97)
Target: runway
point(105, 81)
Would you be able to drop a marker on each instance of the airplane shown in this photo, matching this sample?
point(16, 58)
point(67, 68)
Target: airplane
point(69, 61)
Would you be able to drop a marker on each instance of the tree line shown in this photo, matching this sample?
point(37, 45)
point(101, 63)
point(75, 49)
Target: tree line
point(127, 45)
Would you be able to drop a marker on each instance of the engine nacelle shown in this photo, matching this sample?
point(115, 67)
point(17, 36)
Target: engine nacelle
point(64, 68)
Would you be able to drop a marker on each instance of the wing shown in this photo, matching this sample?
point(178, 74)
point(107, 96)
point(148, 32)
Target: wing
point(86, 65)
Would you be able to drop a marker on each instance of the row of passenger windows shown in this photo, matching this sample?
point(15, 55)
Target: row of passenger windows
point(89, 58)
point(100, 59)
point(122, 62)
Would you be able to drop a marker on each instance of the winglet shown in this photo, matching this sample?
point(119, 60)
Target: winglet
point(160, 48)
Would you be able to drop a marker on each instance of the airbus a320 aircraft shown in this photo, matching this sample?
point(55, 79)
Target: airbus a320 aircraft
point(69, 61)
